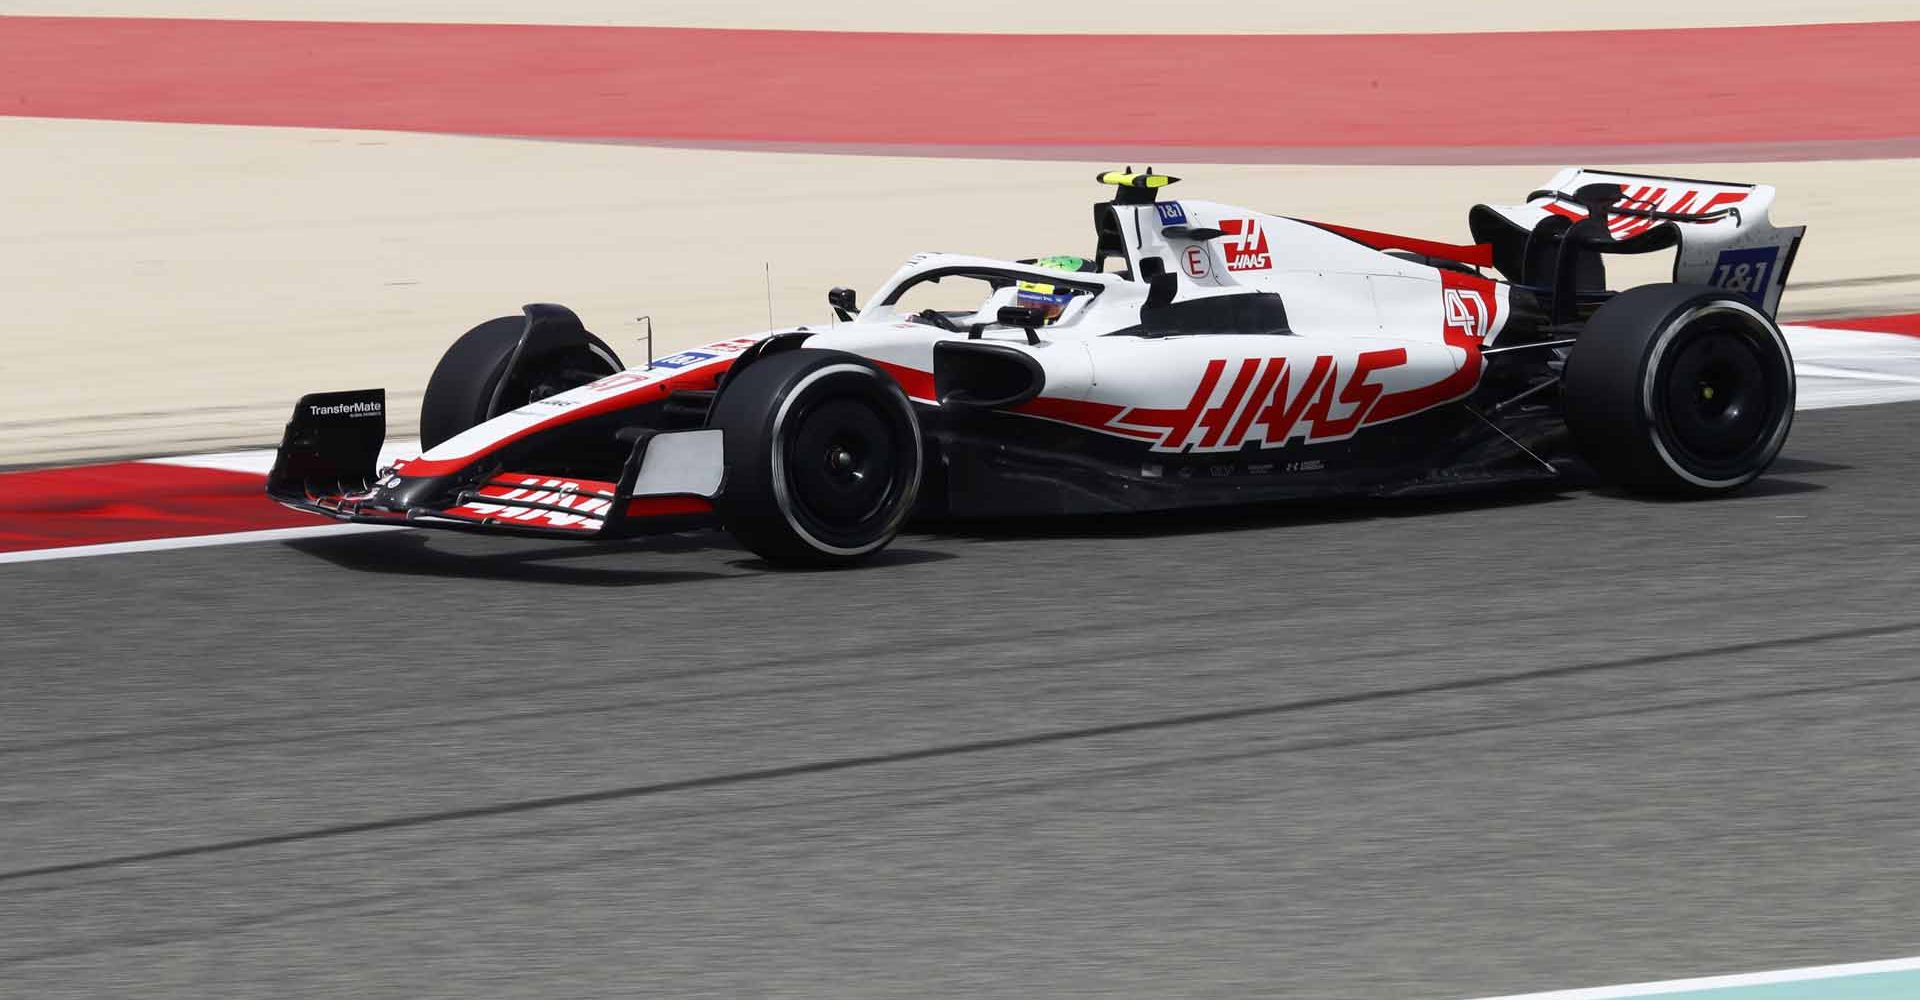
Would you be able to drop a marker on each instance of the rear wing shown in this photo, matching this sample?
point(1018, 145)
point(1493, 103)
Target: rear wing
point(1724, 236)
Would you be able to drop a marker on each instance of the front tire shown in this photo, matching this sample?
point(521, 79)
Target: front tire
point(461, 391)
point(823, 457)
point(1679, 389)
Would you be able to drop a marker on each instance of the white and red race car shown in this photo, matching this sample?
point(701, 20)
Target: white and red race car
point(1204, 355)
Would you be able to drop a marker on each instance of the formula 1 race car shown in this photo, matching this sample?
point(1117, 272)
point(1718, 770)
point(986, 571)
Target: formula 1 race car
point(1203, 355)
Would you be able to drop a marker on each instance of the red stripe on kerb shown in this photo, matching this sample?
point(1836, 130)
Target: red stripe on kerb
point(130, 502)
point(1907, 325)
point(1803, 83)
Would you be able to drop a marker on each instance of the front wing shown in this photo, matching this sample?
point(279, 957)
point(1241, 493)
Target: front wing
point(327, 460)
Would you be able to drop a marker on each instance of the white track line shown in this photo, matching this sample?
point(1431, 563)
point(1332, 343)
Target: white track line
point(194, 542)
point(1853, 367)
point(1737, 981)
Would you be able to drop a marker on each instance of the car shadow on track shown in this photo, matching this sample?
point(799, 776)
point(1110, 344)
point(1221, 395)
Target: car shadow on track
point(422, 553)
point(1802, 466)
point(414, 553)
point(1213, 520)
point(1765, 486)
point(893, 555)
point(1252, 517)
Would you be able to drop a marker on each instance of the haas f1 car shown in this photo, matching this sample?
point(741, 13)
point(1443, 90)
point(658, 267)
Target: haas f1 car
point(1204, 355)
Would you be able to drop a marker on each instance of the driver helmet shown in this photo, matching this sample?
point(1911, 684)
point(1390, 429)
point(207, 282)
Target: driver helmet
point(1064, 262)
point(1050, 299)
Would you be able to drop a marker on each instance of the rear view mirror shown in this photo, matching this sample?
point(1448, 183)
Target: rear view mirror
point(1027, 318)
point(842, 301)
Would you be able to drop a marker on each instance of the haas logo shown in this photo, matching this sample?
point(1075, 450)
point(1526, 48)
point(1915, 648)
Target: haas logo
point(1248, 251)
point(1267, 402)
point(1467, 312)
point(588, 512)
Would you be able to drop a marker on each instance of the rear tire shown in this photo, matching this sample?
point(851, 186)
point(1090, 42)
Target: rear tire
point(462, 387)
point(1679, 389)
point(823, 457)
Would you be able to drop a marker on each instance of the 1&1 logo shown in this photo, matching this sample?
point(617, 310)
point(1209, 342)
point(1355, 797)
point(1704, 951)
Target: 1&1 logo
point(1749, 272)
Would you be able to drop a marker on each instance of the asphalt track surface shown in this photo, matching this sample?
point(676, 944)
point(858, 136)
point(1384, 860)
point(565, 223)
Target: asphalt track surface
point(1411, 750)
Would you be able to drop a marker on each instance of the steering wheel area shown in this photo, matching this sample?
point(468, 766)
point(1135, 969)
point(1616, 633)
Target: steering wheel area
point(936, 318)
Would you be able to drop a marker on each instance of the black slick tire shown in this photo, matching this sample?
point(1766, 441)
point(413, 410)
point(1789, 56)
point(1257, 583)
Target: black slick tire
point(823, 458)
point(1679, 390)
point(463, 383)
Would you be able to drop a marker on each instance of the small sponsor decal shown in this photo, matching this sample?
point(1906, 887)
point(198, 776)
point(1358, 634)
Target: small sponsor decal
point(684, 359)
point(664, 369)
point(1246, 247)
point(1748, 272)
point(1193, 260)
point(621, 380)
point(1171, 214)
point(734, 346)
point(362, 408)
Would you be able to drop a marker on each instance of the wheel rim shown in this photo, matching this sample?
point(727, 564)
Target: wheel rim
point(839, 463)
point(1716, 395)
point(846, 468)
point(1719, 398)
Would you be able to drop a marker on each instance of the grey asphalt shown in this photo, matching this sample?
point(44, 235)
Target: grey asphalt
point(1386, 750)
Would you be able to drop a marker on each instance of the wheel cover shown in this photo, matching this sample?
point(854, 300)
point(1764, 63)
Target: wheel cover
point(840, 463)
point(848, 467)
point(1718, 398)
